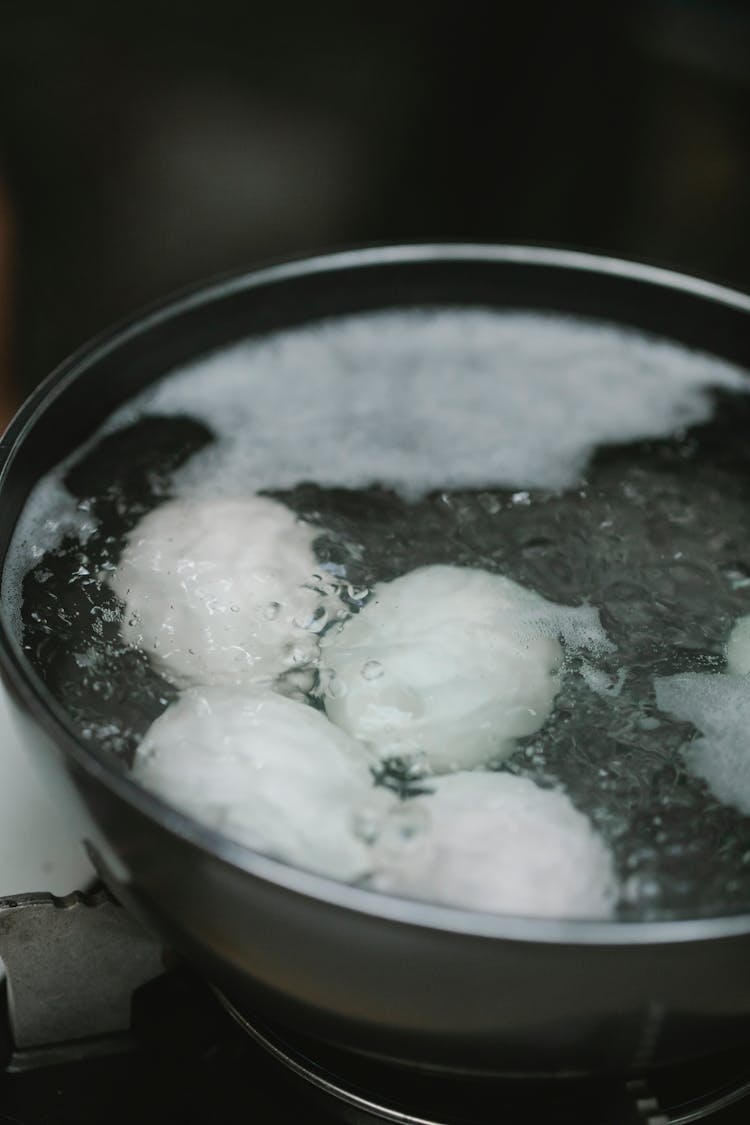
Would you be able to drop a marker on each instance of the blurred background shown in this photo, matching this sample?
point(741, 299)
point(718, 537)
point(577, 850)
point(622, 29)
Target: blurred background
point(143, 148)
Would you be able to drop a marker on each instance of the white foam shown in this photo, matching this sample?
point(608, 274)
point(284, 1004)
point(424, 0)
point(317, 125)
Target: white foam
point(266, 771)
point(448, 666)
point(495, 842)
point(427, 399)
point(223, 591)
point(579, 626)
point(601, 683)
point(738, 647)
point(417, 400)
point(719, 707)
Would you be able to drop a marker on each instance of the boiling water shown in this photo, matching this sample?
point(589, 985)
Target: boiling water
point(594, 467)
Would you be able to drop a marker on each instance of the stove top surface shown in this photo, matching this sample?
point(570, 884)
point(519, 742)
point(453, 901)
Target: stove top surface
point(186, 1060)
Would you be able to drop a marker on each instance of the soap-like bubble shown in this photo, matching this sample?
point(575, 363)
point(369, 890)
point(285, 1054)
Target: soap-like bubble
point(719, 707)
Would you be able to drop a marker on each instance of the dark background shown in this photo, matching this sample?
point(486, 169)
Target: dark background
point(145, 147)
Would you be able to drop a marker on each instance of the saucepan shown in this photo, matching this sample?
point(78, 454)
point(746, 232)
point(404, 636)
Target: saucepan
point(410, 982)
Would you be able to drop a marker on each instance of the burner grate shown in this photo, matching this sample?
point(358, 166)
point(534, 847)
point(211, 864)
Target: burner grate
point(81, 1023)
point(364, 1091)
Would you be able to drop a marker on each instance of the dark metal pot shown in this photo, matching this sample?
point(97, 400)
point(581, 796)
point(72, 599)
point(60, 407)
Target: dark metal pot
point(409, 981)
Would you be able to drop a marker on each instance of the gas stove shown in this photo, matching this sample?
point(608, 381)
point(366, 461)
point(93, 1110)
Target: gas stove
point(99, 1025)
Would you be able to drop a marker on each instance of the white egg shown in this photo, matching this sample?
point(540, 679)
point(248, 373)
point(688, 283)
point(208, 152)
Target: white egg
point(221, 591)
point(738, 647)
point(494, 842)
point(446, 664)
point(266, 771)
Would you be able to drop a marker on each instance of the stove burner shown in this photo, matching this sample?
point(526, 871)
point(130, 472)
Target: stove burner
point(360, 1090)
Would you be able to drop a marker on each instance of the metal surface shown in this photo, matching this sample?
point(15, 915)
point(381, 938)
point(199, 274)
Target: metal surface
point(432, 986)
point(619, 1103)
point(632, 1102)
point(73, 964)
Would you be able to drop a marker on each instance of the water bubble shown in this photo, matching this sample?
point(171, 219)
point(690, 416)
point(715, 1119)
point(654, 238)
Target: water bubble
point(296, 683)
point(328, 589)
point(319, 620)
point(490, 503)
point(632, 493)
point(302, 622)
point(336, 569)
point(737, 574)
point(322, 682)
point(406, 826)
point(412, 821)
point(538, 545)
point(367, 823)
point(639, 888)
point(372, 670)
point(336, 688)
